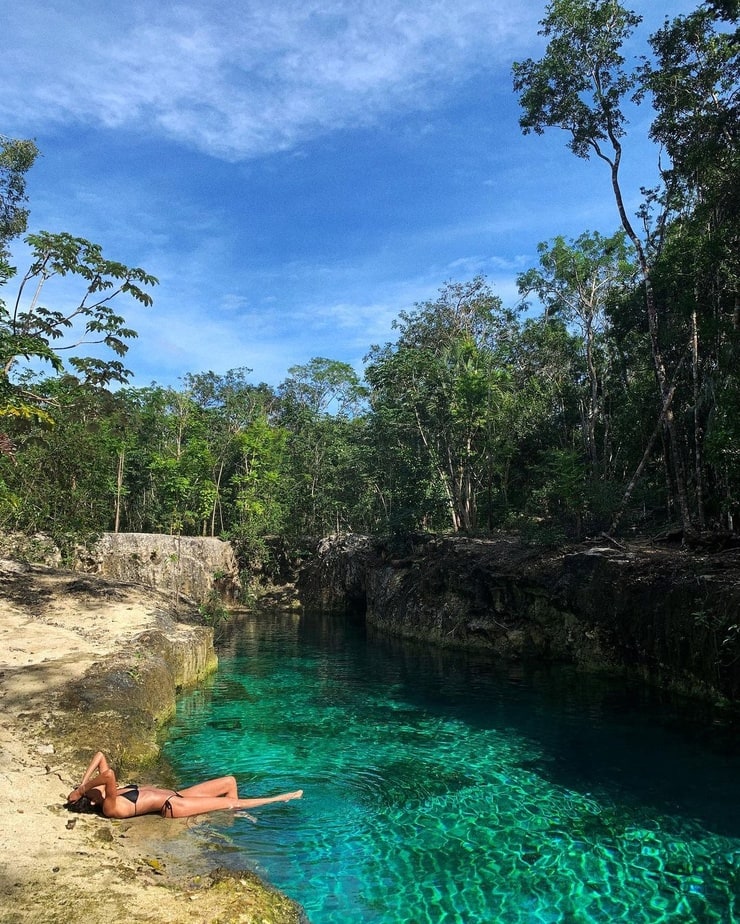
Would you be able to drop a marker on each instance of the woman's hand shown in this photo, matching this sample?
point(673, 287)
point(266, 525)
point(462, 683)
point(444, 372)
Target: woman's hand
point(74, 796)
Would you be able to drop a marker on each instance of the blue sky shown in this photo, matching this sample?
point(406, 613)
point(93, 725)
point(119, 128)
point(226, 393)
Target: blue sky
point(294, 173)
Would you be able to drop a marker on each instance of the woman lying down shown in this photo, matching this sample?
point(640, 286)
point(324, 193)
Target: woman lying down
point(99, 791)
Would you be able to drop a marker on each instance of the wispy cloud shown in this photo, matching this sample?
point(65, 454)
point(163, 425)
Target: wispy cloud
point(237, 80)
point(266, 264)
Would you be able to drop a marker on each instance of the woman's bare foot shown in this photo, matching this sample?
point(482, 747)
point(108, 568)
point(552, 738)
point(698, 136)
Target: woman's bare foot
point(286, 797)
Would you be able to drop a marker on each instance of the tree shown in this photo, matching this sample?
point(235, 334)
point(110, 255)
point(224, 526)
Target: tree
point(31, 330)
point(34, 331)
point(577, 281)
point(320, 405)
point(439, 398)
point(694, 82)
point(256, 496)
point(63, 480)
point(227, 408)
point(17, 156)
point(16, 159)
point(580, 86)
point(180, 463)
point(322, 386)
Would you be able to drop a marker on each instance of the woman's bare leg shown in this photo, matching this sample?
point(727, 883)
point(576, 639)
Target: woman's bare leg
point(282, 797)
point(223, 786)
point(184, 806)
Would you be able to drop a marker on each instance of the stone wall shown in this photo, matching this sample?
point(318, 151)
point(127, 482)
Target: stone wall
point(183, 567)
point(122, 702)
point(39, 549)
point(672, 615)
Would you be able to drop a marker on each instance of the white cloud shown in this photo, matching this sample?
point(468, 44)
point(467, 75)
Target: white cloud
point(237, 79)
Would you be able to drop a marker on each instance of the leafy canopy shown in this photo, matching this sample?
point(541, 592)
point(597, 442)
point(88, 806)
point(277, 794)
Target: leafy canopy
point(35, 330)
point(580, 82)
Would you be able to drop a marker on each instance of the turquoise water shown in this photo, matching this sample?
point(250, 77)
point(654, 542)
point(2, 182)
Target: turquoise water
point(439, 789)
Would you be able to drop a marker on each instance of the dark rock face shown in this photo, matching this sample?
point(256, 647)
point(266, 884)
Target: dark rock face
point(672, 615)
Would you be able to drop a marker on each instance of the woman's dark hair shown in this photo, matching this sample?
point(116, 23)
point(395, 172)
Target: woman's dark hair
point(83, 805)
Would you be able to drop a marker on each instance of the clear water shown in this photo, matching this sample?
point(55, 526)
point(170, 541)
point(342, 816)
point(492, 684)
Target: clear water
point(439, 789)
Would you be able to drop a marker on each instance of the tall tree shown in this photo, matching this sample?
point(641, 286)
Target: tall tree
point(16, 159)
point(29, 330)
point(576, 281)
point(64, 479)
point(580, 85)
point(693, 79)
point(17, 156)
point(35, 333)
point(228, 406)
point(319, 407)
point(439, 389)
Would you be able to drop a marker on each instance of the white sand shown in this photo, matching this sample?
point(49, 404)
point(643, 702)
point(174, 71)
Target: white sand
point(56, 866)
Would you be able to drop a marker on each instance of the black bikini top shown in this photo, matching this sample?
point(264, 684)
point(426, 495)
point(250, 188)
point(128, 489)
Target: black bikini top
point(131, 793)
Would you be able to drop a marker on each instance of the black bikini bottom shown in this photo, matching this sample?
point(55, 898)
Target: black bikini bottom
point(167, 807)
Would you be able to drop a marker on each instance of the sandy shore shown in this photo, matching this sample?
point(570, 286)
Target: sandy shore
point(60, 867)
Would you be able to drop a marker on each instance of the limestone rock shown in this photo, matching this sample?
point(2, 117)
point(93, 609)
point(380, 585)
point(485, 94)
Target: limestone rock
point(670, 615)
point(183, 567)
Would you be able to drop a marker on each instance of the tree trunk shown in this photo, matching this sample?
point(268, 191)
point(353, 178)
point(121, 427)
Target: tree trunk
point(593, 403)
point(217, 499)
point(119, 489)
point(698, 435)
point(646, 455)
point(666, 390)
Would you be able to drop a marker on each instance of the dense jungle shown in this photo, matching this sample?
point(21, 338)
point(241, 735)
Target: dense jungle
point(605, 400)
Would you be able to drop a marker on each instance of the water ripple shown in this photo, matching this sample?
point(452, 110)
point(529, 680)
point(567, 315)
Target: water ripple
point(476, 801)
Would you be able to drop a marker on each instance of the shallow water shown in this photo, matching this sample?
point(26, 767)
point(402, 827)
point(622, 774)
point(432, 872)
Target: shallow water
point(440, 789)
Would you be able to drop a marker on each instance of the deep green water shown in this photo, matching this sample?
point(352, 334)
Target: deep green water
point(439, 789)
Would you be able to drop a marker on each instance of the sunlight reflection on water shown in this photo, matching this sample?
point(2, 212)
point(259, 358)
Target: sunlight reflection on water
point(440, 789)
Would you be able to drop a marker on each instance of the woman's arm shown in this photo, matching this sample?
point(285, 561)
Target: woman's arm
point(99, 762)
point(105, 779)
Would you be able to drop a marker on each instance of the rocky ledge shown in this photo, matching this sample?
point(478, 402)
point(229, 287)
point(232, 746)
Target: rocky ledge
point(89, 664)
point(672, 615)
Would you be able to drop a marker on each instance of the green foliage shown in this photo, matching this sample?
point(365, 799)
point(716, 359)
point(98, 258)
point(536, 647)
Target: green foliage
point(322, 386)
point(687, 254)
point(320, 411)
point(29, 328)
point(36, 332)
point(61, 478)
point(214, 614)
point(475, 416)
point(441, 402)
point(580, 83)
point(17, 156)
point(578, 282)
point(253, 485)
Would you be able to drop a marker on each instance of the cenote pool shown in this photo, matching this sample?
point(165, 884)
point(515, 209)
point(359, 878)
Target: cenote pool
point(440, 789)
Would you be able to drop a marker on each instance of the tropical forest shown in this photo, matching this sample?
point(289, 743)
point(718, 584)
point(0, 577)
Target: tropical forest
point(604, 400)
point(467, 604)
